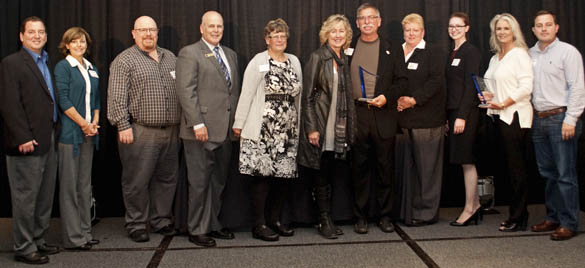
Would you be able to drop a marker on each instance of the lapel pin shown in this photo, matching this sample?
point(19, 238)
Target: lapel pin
point(387, 52)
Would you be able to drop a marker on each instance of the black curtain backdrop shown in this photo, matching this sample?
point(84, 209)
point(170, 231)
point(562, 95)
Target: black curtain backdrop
point(109, 23)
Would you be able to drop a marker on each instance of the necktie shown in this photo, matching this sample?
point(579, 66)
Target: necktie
point(224, 68)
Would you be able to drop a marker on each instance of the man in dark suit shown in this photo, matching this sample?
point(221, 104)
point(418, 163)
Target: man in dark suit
point(378, 77)
point(208, 85)
point(29, 111)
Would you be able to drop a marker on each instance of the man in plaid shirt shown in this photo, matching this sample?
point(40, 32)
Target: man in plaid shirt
point(143, 105)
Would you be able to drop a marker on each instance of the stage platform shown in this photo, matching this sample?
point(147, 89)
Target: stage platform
point(438, 245)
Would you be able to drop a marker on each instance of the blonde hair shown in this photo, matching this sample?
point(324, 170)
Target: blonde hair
point(414, 18)
point(328, 25)
point(495, 45)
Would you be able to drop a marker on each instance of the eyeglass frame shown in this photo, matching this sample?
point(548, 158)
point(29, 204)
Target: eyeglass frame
point(147, 30)
point(458, 27)
point(371, 17)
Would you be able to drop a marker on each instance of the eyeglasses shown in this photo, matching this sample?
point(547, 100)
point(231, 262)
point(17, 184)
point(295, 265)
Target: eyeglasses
point(146, 30)
point(278, 37)
point(458, 27)
point(363, 18)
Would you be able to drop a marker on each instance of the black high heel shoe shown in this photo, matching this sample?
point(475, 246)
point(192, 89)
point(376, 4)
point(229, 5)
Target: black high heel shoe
point(511, 226)
point(476, 217)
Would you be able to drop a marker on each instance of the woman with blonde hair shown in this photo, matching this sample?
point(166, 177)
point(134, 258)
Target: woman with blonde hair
point(509, 79)
point(327, 115)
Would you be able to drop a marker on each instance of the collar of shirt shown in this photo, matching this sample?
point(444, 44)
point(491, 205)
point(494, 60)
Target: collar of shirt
point(536, 47)
point(158, 51)
point(421, 45)
point(73, 62)
point(212, 46)
point(43, 57)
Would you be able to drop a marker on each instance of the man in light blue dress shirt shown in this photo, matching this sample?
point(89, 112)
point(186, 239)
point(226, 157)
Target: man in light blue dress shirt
point(558, 99)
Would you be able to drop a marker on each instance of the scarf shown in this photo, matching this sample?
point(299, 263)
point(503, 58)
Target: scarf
point(341, 134)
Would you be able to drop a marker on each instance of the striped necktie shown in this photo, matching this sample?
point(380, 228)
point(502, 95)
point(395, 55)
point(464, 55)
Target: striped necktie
point(224, 68)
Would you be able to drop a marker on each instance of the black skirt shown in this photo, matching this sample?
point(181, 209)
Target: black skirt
point(462, 146)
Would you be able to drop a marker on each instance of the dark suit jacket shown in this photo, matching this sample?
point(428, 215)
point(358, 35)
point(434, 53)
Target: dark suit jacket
point(427, 86)
point(203, 92)
point(25, 103)
point(391, 82)
point(461, 93)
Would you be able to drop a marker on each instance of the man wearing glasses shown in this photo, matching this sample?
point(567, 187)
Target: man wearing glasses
point(143, 105)
point(558, 98)
point(378, 76)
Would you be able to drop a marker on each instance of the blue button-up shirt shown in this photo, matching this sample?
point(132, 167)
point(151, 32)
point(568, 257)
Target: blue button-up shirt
point(558, 79)
point(41, 61)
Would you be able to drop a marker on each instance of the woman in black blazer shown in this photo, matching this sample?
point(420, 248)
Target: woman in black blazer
point(463, 113)
point(422, 119)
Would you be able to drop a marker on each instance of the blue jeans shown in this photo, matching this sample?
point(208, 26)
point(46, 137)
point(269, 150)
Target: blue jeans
point(556, 160)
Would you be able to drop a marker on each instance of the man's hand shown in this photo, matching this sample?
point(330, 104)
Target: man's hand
point(567, 131)
point(201, 134)
point(378, 101)
point(459, 126)
point(28, 147)
point(314, 138)
point(126, 136)
point(237, 132)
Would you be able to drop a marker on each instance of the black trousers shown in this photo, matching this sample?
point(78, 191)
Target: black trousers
point(373, 165)
point(514, 144)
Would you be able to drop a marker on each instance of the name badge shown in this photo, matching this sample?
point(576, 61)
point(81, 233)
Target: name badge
point(263, 68)
point(455, 62)
point(412, 65)
point(93, 73)
point(348, 51)
point(173, 75)
point(209, 55)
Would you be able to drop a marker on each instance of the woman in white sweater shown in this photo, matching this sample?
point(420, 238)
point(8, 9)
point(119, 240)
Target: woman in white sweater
point(509, 79)
point(267, 121)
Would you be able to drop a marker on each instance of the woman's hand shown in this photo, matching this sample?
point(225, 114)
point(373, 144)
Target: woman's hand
point(459, 126)
point(237, 132)
point(487, 96)
point(314, 138)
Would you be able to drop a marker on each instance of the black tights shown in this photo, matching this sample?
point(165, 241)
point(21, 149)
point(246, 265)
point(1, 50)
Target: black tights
point(271, 190)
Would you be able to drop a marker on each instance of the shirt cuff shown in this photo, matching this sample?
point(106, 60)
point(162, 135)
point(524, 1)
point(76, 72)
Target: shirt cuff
point(569, 120)
point(198, 126)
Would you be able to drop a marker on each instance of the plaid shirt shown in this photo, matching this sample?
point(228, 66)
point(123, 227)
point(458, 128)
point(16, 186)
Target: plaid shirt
point(141, 90)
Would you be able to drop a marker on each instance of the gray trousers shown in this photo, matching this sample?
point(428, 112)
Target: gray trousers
point(208, 166)
point(422, 173)
point(75, 192)
point(32, 187)
point(149, 176)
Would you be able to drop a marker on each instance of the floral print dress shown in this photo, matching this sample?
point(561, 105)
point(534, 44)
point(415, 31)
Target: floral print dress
point(274, 153)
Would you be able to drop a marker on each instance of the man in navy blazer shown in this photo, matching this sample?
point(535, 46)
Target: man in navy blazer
point(29, 110)
point(378, 76)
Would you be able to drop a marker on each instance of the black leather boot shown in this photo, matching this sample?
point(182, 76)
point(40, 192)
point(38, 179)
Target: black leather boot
point(326, 228)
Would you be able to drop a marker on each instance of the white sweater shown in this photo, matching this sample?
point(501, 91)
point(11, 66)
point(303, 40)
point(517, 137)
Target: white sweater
point(511, 77)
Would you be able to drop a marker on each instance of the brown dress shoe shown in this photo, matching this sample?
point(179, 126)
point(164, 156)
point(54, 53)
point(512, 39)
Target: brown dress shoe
point(545, 226)
point(562, 233)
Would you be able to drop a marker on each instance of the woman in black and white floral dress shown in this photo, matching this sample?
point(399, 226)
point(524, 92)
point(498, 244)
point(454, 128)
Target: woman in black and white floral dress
point(267, 121)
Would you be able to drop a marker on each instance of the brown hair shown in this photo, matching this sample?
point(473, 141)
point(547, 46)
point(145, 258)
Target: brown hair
point(72, 34)
point(277, 25)
point(31, 19)
point(461, 15)
point(546, 12)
